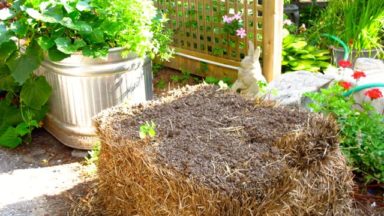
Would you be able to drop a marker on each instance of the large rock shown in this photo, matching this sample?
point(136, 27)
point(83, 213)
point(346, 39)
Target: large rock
point(290, 87)
point(369, 65)
point(374, 69)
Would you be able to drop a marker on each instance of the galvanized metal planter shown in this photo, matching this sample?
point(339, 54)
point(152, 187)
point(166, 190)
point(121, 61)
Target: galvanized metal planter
point(82, 87)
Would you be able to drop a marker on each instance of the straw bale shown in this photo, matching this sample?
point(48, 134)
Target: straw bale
point(216, 153)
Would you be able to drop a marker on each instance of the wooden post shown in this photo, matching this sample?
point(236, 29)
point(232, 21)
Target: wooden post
point(272, 38)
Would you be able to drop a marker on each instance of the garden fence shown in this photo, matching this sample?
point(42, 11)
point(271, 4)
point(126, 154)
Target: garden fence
point(203, 48)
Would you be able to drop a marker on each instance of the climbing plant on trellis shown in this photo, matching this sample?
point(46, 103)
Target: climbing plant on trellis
point(199, 29)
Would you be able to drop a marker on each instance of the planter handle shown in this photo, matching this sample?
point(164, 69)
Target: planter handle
point(345, 46)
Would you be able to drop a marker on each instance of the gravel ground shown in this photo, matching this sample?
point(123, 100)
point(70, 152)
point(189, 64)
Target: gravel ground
point(37, 179)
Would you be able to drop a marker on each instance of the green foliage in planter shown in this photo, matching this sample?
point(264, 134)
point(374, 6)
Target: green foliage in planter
point(299, 55)
point(358, 22)
point(361, 130)
point(33, 29)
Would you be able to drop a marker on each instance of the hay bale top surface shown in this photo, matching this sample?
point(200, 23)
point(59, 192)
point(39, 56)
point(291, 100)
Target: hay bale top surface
point(212, 136)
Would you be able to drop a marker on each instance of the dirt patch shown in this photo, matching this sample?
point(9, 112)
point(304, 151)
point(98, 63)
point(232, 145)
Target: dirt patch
point(167, 79)
point(217, 138)
point(216, 153)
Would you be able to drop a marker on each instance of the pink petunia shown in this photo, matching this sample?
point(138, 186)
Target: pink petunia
point(241, 33)
point(227, 19)
point(237, 16)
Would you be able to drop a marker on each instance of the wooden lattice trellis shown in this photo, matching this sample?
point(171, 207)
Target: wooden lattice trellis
point(204, 48)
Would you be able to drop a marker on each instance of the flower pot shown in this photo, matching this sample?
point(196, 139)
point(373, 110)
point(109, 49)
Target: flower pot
point(82, 87)
point(338, 54)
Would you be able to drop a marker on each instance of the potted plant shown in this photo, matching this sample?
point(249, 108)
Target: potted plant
point(359, 23)
point(90, 54)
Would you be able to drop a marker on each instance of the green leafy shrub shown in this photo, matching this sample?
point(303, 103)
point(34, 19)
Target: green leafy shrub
point(299, 55)
point(33, 29)
point(361, 130)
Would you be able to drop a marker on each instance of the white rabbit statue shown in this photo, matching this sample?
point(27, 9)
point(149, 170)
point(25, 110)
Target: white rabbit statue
point(249, 74)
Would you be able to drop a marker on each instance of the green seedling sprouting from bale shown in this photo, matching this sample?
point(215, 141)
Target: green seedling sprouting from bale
point(147, 129)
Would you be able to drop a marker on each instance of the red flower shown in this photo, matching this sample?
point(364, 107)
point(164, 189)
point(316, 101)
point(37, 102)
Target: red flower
point(345, 85)
point(345, 64)
point(350, 42)
point(374, 93)
point(358, 74)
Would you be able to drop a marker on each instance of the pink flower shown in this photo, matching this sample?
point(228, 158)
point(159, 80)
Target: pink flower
point(237, 16)
point(374, 94)
point(358, 74)
point(241, 33)
point(227, 19)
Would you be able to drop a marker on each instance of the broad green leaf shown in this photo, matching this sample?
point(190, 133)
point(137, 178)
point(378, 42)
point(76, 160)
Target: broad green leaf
point(297, 45)
point(95, 52)
point(4, 34)
point(80, 26)
point(34, 13)
point(45, 43)
point(9, 115)
point(35, 92)
point(79, 43)
point(65, 45)
point(323, 64)
point(10, 138)
point(22, 66)
point(59, 32)
point(6, 14)
point(6, 50)
point(67, 6)
point(48, 17)
point(96, 36)
point(293, 63)
point(22, 129)
point(323, 58)
point(53, 14)
point(83, 6)
point(308, 56)
point(290, 58)
point(20, 28)
point(303, 51)
point(319, 53)
point(56, 55)
point(7, 83)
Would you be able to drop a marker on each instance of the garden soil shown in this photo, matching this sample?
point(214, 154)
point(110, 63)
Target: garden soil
point(216, 153)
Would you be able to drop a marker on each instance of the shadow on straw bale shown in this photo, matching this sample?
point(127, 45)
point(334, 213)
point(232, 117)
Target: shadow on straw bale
point(216, 153)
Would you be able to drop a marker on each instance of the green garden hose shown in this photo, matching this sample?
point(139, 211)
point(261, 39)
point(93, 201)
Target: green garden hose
point(345, 46)
point(362, 87)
